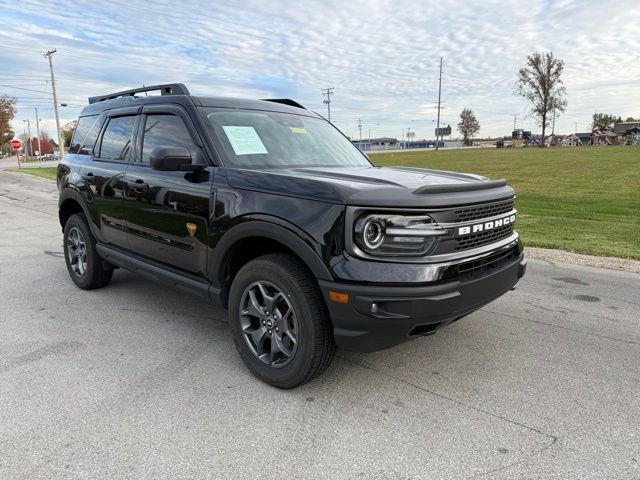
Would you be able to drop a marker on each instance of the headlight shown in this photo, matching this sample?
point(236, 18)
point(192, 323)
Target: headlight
point(396, 235)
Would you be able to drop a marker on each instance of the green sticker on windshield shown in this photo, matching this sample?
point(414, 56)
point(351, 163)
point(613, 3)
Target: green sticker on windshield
point(244, 140)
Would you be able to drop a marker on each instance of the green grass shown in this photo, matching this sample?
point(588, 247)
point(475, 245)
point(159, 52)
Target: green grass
point(48, 173)
point(583, 199)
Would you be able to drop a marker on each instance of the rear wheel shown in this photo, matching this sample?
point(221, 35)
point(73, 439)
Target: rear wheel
point(83, 263)
point(280, 325)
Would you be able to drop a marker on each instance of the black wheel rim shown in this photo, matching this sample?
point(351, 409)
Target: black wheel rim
point(269, 324)
point(77, 251)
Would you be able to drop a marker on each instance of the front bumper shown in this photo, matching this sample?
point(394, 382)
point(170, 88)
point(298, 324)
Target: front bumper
point(402, 312)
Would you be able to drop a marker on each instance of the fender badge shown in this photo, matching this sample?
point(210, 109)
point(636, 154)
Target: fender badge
point(192, 227)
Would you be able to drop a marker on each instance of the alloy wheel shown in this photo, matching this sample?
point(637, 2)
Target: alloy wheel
point(269, 324)
point(77, 251)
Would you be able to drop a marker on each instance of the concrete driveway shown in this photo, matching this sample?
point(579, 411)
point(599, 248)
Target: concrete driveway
point(139, 381)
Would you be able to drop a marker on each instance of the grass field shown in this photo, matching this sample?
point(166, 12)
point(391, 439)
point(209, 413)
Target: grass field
point(43, 172)
point(582, 199)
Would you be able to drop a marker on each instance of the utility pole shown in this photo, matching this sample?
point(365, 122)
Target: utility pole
point(360, 127)
point(38, 132)
point(49, 54)
point(515, 116)
point(29, 146)
point(439, 97)
point(576, 127)
point(327, 92)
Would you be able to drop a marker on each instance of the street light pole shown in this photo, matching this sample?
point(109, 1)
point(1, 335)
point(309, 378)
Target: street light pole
point(38, 132)
point(29, 146)
point(439, 97)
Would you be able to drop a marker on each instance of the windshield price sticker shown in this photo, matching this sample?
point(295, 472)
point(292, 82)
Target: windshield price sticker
point(244, 140)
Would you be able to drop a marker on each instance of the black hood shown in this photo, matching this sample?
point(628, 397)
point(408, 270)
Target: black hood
point(373, 186)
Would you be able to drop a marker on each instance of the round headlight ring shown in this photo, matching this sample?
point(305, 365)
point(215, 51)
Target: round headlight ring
point(373, 233)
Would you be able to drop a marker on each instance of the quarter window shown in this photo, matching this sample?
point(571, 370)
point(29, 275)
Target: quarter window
point(116, 140)
point(164, 130)
point(85, 135)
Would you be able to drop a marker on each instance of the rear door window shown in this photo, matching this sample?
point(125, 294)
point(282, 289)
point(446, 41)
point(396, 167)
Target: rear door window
point(117, 137)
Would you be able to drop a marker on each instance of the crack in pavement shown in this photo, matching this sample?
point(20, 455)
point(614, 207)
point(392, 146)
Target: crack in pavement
point(562, 327)
point(553, 438)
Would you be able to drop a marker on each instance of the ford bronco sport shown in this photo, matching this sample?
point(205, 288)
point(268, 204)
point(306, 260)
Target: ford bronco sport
point(266, 209)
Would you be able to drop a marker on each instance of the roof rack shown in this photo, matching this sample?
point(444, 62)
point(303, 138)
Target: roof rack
point(165, 89)
point(284, 101)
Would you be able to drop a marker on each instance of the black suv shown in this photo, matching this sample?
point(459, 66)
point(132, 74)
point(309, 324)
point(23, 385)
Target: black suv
point(267, 209)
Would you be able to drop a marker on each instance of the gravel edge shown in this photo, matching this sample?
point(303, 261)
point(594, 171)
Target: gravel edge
point(612, 263)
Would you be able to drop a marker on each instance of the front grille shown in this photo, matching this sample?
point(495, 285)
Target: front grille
point(482, 266)
point(482, 238)
point(468, 214)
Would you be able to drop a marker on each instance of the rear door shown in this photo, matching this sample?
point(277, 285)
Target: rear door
point(104, 175)
point(167, 212)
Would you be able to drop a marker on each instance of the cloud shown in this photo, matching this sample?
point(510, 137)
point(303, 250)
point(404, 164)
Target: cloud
point(381, 56)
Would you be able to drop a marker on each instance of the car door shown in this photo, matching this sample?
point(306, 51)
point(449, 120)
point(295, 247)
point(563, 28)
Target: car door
point(104, 175)
point(167, 212)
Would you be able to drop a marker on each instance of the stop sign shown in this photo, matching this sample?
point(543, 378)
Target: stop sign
point(16, 144)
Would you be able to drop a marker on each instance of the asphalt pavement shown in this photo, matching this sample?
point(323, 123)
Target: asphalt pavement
point(136, 380)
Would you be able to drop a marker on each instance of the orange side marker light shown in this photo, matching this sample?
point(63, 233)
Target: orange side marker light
point(338, 297)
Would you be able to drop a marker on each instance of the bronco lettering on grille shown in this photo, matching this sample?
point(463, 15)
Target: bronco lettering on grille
point(483, 227)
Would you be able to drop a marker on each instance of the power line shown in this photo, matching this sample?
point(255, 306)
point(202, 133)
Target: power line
point(21, 88)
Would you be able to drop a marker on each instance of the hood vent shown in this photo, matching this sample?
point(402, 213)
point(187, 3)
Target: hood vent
point(460, 187)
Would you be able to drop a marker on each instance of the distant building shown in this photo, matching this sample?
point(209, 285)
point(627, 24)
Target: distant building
point(583, 138)
point(629, 132)
point(623, 127)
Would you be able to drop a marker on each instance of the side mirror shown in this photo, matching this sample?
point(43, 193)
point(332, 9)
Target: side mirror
point(171, 159)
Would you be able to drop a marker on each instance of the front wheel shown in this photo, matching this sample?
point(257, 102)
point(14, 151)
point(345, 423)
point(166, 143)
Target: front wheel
point(280, 325)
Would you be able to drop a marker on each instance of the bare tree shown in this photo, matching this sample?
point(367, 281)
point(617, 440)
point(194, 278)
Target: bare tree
point(540, 82)
point(468, 125)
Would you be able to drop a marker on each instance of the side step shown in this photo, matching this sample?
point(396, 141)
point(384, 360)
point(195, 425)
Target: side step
point(158, 273)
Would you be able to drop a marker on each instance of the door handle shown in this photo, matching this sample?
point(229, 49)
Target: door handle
point(138, 185)
point(88, 177)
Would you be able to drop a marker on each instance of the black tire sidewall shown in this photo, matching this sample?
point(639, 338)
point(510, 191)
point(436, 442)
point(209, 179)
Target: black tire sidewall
point(89, 279)
point(302, 362)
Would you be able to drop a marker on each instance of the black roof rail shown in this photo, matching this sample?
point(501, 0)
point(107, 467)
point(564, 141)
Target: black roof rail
point(284, 101)
point(165, 89)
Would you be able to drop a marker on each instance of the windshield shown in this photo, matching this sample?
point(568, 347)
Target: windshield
point(258, 139)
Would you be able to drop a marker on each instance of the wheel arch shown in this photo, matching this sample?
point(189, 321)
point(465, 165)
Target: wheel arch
point(70, 202)
point(253, 238)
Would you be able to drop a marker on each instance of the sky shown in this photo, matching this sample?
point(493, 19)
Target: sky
point(382, 57)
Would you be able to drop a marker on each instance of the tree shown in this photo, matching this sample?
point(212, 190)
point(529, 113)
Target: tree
point(540, 82)
point(604, 121)
point(630, 119)
point(7, 112)
point(468, 125)
point(67, 132)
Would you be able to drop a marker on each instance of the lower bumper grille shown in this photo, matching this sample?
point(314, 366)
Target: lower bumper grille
point(482, 266)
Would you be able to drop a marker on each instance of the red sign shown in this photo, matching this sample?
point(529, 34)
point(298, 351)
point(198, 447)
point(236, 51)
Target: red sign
point(16, 144)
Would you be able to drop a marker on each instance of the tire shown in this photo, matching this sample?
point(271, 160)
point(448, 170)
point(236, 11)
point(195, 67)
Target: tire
point(85, 267)
point(292, 364)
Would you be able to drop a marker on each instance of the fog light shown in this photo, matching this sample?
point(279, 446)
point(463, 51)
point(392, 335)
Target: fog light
point(374, 308)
